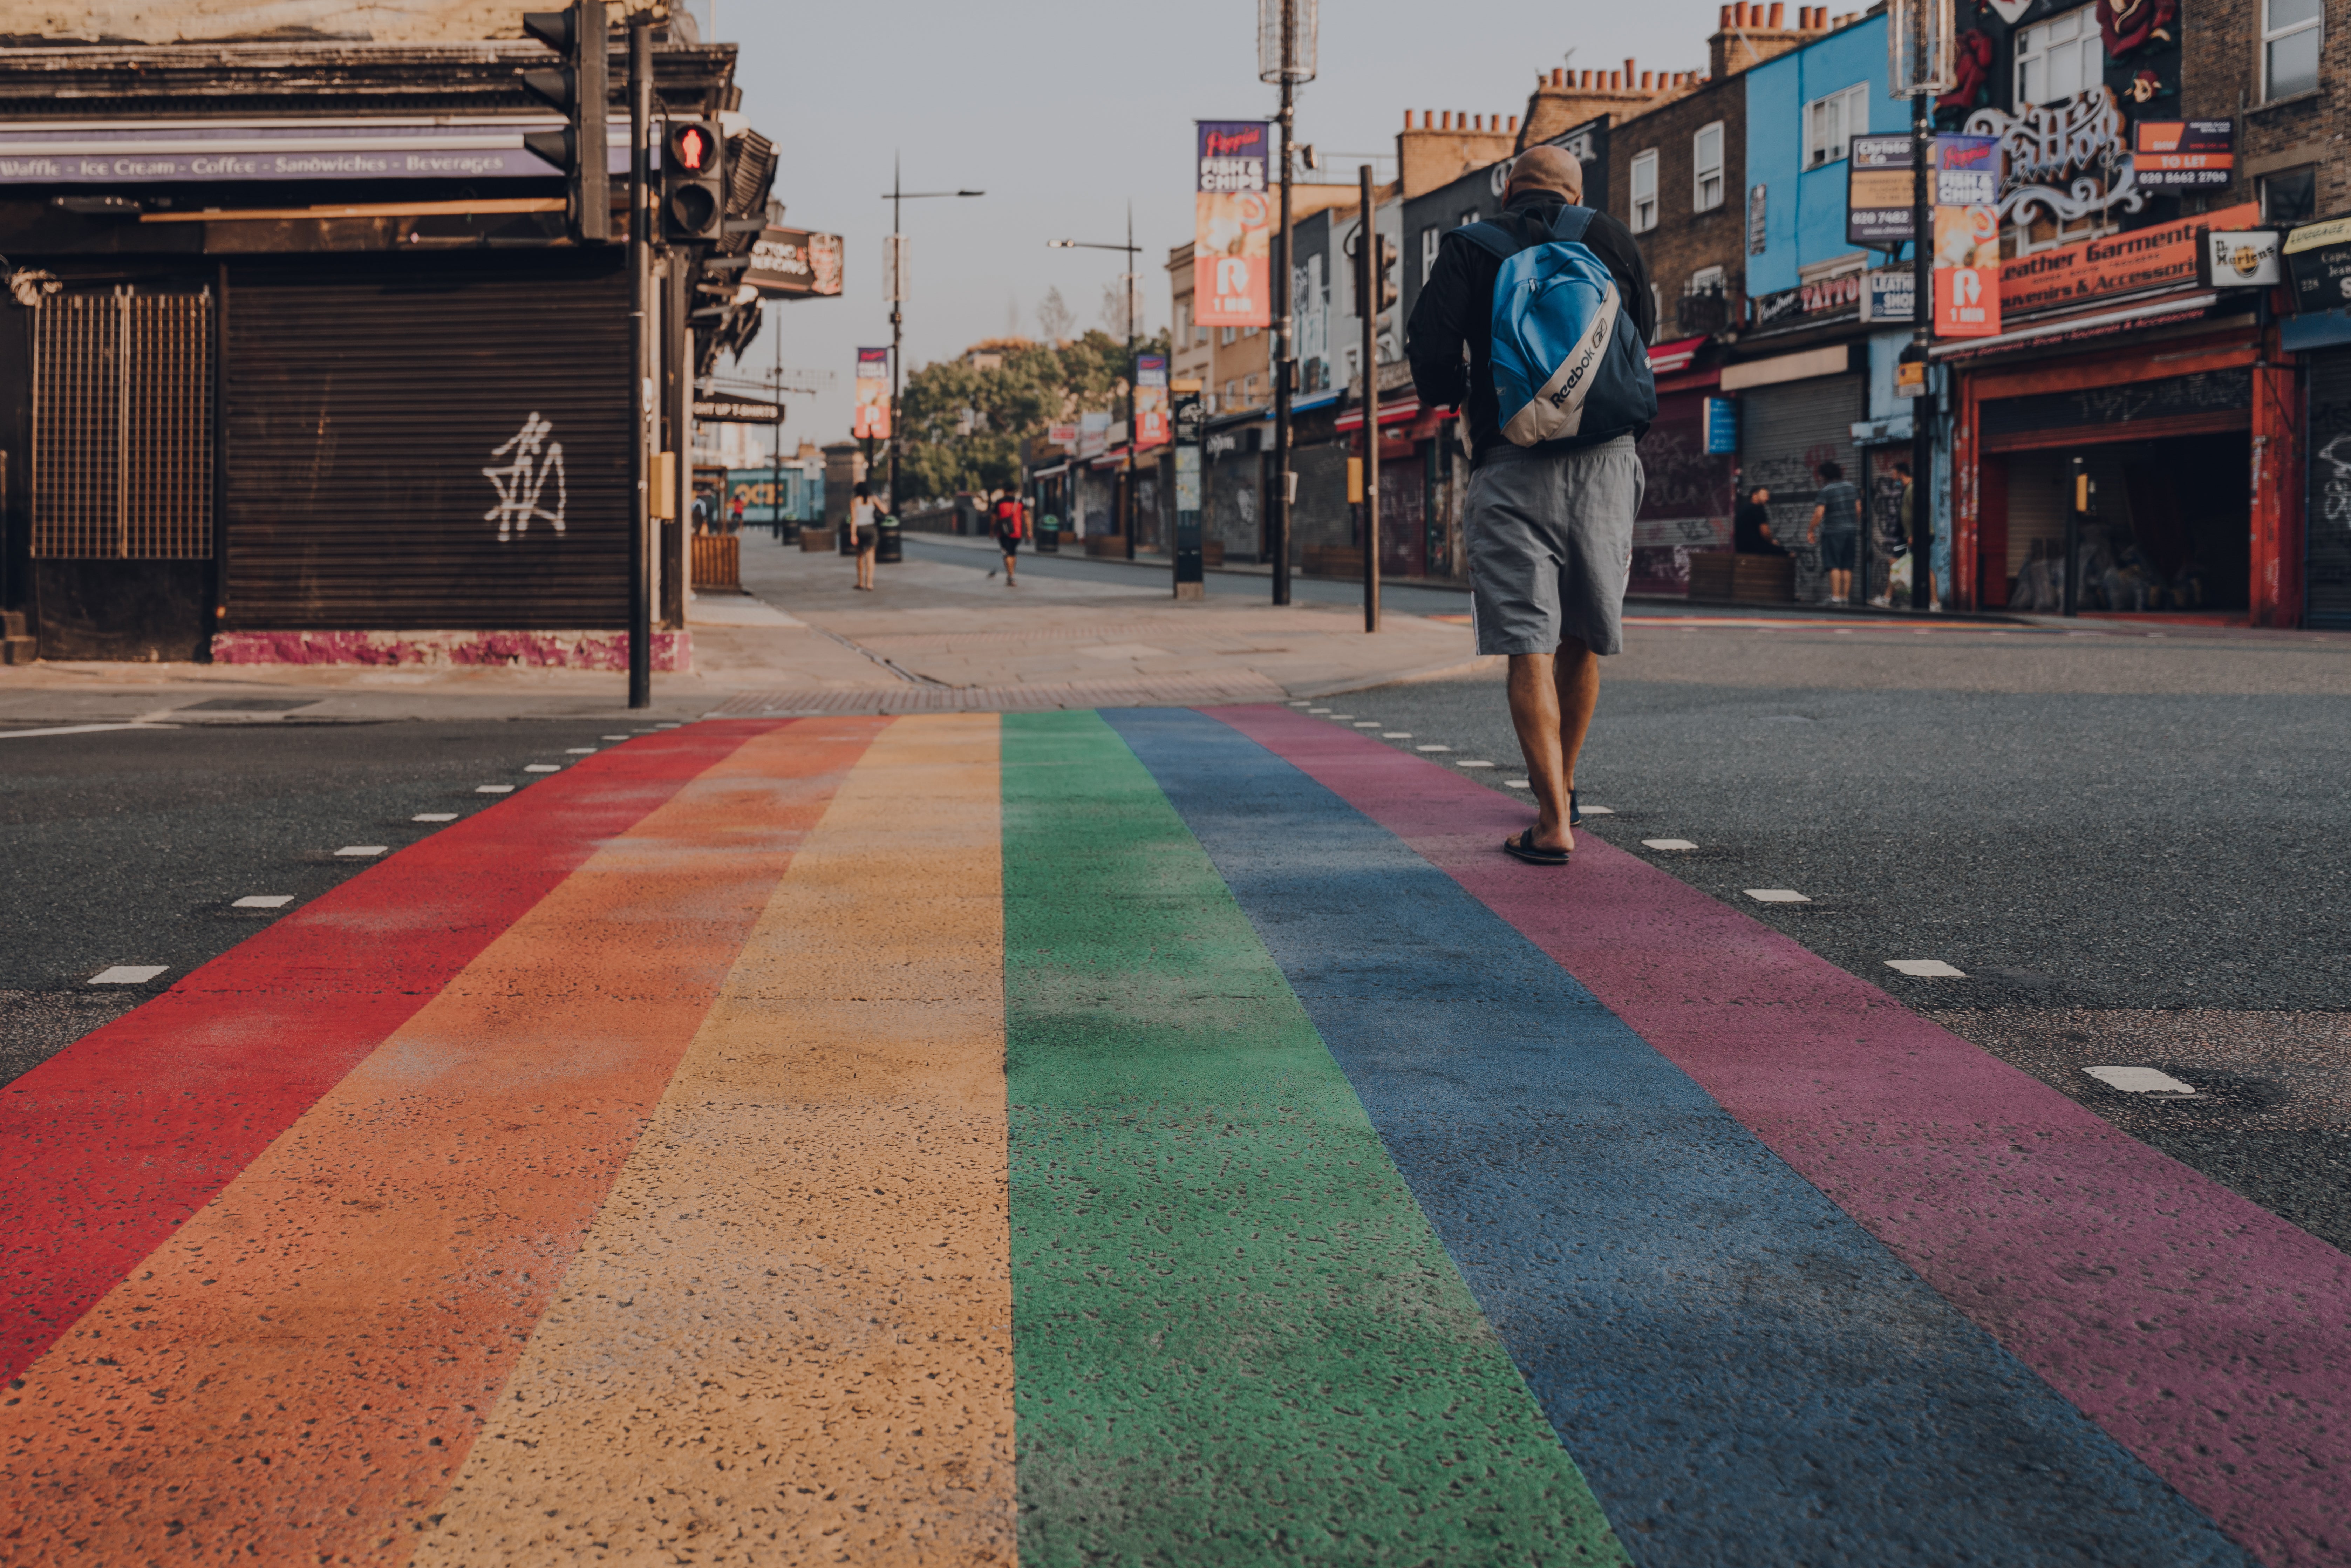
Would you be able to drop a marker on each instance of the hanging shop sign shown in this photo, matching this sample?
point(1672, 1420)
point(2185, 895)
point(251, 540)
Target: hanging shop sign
point(1889, 294)
point(1232, 225)
point(2165, 255)
point(869, 419)
point(1150, 399)
point(794, 264)
point(2184, 154)
point(2319, 256)
point(1721, 426)
point(736, 410)
point(1967, 272)
point(2065, 161)
point(1061, 435)
point(1093, 433)
point(2241, 258)
point(1759, 232)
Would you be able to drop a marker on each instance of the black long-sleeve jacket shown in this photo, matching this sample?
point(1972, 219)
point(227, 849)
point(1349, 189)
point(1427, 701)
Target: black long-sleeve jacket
point(1457, 308)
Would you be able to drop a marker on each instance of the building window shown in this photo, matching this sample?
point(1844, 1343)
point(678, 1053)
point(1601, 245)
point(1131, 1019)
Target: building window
point(2289, 37)
point(2290, 196)
point(1466, 219)
point(1644, 192)
point(1228, 337)
point(2059, 58)
point(1429, 237)
point(1232, 391)
point(1830, 122)
point(1705, 167)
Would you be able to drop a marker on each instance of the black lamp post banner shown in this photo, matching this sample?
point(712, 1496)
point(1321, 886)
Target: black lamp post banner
point(1190, 420)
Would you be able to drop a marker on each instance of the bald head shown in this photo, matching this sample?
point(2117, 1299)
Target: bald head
point(1546, 169)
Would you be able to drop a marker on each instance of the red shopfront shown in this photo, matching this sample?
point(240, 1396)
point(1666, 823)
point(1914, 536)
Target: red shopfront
point(2179, 408)
point(1416, 469)
point(1686, 503)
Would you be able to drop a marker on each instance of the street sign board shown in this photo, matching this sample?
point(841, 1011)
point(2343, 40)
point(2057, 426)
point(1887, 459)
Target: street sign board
point(794, 264)
point(1722, 426)
point(738, 410)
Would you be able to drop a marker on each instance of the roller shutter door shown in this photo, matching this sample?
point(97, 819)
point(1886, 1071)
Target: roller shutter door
point(428, 444)
point(2329, 509)
point(1786, 433)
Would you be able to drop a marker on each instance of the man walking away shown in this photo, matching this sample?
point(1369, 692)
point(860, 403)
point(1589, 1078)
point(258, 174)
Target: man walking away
point(1836, 528)
point(1555, 391)
point(1010, 524)
point(1750, 528)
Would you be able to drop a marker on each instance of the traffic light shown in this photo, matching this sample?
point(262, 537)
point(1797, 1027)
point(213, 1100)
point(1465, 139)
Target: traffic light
point(1384, 287)
point(578, 88)
point(694, 189)
point(1389, 286)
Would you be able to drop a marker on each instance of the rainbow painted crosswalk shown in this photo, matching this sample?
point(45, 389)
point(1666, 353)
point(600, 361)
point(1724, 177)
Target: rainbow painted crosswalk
point(1155, 1136)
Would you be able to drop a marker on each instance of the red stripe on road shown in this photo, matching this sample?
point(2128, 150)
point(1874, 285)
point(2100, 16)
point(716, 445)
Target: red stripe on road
point(2212, 1338)
point(112, 1144)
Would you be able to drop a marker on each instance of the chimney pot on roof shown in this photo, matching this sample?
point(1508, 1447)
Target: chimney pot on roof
point(1514, 125)
point(1645, 77)
point(1777, 12)
point(1628, 70)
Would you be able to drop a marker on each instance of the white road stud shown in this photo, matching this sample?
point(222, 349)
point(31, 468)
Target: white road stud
point(1776, 896)
point(361, 852)
point(1669, 843)
point(264, 901)
point(435, 817)
point(1925, 970)
point(127, 974)
point(2139, 1080)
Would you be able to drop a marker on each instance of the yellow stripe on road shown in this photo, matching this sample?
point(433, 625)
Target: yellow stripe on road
point(789, 1335)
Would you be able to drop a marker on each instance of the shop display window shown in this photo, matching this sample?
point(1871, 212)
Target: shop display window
point(2167, 532)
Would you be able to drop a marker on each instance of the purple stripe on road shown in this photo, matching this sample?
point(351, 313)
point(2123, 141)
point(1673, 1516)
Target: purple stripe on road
point(2212, 1338)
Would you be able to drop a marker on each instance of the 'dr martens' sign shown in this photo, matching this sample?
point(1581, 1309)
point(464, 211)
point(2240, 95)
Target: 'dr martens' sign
point(2117, 263)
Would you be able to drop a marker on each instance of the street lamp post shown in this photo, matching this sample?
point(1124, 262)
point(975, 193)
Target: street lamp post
point(1130, 277)
point(1918, 49)
point(897, 195)
point(1285, 54)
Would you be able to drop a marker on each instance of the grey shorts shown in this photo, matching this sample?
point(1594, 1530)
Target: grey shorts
point(1551, 546)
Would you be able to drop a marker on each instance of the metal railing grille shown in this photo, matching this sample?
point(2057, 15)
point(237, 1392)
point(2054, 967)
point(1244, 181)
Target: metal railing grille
point(123, 450)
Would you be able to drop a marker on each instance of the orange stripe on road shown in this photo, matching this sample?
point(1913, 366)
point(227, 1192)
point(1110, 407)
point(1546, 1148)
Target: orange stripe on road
point(788, 1336)
point(298, 1372)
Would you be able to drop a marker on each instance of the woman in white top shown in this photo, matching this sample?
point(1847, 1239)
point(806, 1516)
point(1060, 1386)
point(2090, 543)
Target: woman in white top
point(865, 530)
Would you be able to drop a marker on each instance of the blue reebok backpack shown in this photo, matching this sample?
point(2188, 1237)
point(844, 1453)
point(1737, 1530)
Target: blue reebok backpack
point(1567, 357)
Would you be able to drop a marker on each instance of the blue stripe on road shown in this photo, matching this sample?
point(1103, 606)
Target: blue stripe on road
point(1745, 1376)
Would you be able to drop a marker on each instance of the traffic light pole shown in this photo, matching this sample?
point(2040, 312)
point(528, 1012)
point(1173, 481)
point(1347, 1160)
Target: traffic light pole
point(640, 400)
point(1367, 300)
point(1278, 511)
point(1922, 336)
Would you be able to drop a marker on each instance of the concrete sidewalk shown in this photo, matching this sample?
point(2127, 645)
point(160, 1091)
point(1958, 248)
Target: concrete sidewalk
point(934, 637)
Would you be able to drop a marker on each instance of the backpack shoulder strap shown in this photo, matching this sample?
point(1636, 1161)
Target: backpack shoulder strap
point(1504, 241)
point(1571, 224)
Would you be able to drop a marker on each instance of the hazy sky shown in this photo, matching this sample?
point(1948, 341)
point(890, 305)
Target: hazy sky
point(1064, 112)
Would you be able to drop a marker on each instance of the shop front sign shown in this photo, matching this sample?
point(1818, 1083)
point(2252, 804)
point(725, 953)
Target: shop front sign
point(2148, 258)
point(794, 264)
point(1889, 294)
point(2320, 257)
point(2243, 258)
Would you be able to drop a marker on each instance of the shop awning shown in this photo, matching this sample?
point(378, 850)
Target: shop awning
point(1666, 357)
point(1390, 413)
point(2072, 329)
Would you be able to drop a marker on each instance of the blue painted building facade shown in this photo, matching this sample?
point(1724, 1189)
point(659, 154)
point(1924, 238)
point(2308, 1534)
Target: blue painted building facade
point(1804, 207)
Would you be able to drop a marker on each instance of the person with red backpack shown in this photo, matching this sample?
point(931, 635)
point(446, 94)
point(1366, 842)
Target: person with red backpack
point(1011, 526)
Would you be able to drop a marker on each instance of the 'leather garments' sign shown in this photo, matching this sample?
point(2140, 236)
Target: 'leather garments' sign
point(2145, 258)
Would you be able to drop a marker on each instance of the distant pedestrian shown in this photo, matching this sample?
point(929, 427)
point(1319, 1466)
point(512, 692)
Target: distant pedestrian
point(1010, 525)
point(865, 533)
point(1836, 528)
point(1554, 480)
point(1750, 528)
point(737, 516)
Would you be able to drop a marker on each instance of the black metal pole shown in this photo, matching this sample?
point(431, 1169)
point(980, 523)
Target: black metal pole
point(1278, 508)
point(1922, 336)
point(641, 399)
point(1367, 299)
point(677, 377)
point(898, 270)
point(1132, 276)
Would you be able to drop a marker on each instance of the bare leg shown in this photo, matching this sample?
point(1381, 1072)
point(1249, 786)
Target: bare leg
point(1552, 699)
point(1009, 578)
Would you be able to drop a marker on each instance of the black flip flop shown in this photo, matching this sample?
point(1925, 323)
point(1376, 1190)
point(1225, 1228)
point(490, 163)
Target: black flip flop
point(1574, 811)
point(1527, 850)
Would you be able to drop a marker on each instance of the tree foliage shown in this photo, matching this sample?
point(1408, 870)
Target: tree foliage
point(964, 426)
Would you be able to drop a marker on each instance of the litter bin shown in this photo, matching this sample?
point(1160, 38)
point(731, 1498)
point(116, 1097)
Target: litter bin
point(1049, 535)
point(887, 546)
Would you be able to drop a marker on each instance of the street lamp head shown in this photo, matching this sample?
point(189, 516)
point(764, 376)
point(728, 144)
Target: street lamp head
point(1060, 244)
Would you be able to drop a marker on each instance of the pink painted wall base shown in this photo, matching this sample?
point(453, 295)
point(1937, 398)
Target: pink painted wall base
point(673, 650)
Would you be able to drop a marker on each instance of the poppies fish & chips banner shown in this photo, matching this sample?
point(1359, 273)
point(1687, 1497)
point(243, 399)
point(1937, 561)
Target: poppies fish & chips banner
point(1150, 399)
point(870, 421)
point(1231, 240)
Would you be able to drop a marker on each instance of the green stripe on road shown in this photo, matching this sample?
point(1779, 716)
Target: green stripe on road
point(1236, 1339)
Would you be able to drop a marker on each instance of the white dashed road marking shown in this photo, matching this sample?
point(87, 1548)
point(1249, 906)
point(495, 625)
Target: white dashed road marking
point(264, 901)
point(361, 852)
point(1467, 764)
point(542, 767)
point(1298, 705)
point(1925, 968)
point(616, 738)
point(1395, 735)
point(1318, 710)
point(1669, 843)
point(127, 974)
point(578, 751)
point(1432, 748)
point(1367, 724)
point(494, 789)
point(435, 817)
point(1523, 784)
point(2139, 1080)
point(1597, 811)
point(1776, 896)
